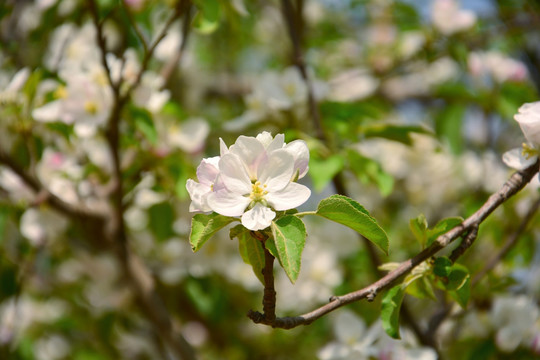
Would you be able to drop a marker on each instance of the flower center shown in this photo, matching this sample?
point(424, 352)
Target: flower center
point(257, 192)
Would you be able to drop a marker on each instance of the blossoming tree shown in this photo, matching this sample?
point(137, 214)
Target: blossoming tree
point(157, 157)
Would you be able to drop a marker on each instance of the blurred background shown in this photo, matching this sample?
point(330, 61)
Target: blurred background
point(406, 107)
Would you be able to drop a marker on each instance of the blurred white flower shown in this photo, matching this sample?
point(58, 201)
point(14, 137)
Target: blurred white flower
point(189, 135)
point(353, 340)
point(52, 347)
point(448, 18)
point(274, 93)
point(514, 318)
point(352, 85)
point(16, 188)
point(11, 92)
point(493, 65)
point(41, 225)
point(59, 172)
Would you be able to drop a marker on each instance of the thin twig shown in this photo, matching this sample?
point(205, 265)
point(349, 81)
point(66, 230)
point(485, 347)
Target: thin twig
point(509, 244)
point(515, 183)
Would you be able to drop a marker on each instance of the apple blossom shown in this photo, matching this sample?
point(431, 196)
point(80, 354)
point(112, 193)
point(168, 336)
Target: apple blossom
point(528, 117)
point(253, 178)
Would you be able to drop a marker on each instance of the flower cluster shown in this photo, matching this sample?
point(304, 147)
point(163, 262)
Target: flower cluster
point(528, 117)
point(253, 178)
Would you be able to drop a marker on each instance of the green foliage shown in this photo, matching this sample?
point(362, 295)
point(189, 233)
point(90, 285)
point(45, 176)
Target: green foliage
point(206, 21)
point(442, 227)
point(144, 123)
point(348, 212)
point(370, 171)
point(390, 307)
point(399, 133)
point(448, 124)
point(454, 278)
point(419, 228)
point(289, 235)
point(161, 218)
point(203, 227)
point(322, 171)
point(250, 248)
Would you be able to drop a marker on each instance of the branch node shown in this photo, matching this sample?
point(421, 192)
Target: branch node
point(371, 295)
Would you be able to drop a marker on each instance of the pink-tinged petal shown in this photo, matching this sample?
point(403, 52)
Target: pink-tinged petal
point(198, 194)
point(258, 218)
point(528, 117)
point(515, 159)
point(292, 196)
point(208, 170)
point(277, 171)
point(299, 150)
point(250, 151)
point(227, 203)
point(277, 143)
point(223, 149)
point(233, 174)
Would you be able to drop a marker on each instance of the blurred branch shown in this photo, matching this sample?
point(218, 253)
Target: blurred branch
point(43, 195)
point(133, 268)
point(515, 183)
point(174, 62)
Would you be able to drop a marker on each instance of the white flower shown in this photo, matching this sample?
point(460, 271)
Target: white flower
point(252, 179)
point(448, 18)
point(514, 318)
point(528, 117)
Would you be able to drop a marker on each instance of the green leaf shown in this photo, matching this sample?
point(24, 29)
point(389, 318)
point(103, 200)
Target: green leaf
point(442, 227)
point(422, 289)
point(161, 219)
point(399, 133)
point(271, 246)
point(370, 171)
point(390, 307)
point(207, 19)
point(462, 295)
point(448, 125)
point(419, 227)
point(144, 123)
point(348, 212)
point(457, 277)
point(250, 248)
point(442, 266)
point(289, 235)
point(322, 171)
point(203, 227)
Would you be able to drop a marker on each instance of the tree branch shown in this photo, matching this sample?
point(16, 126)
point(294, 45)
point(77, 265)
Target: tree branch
point(515, 183)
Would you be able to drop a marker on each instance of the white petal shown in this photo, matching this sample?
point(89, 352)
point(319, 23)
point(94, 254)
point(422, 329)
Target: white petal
point(208, 170)
point(258, 218)
point(251, 151)
point(227, 203)
point(300, 152)
point(277, 143)
point(234, 175)
point(198, 194)
point(292, 196)
point(515, 159)
point(223, 149)
point(49, 112)
point(276, 172)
